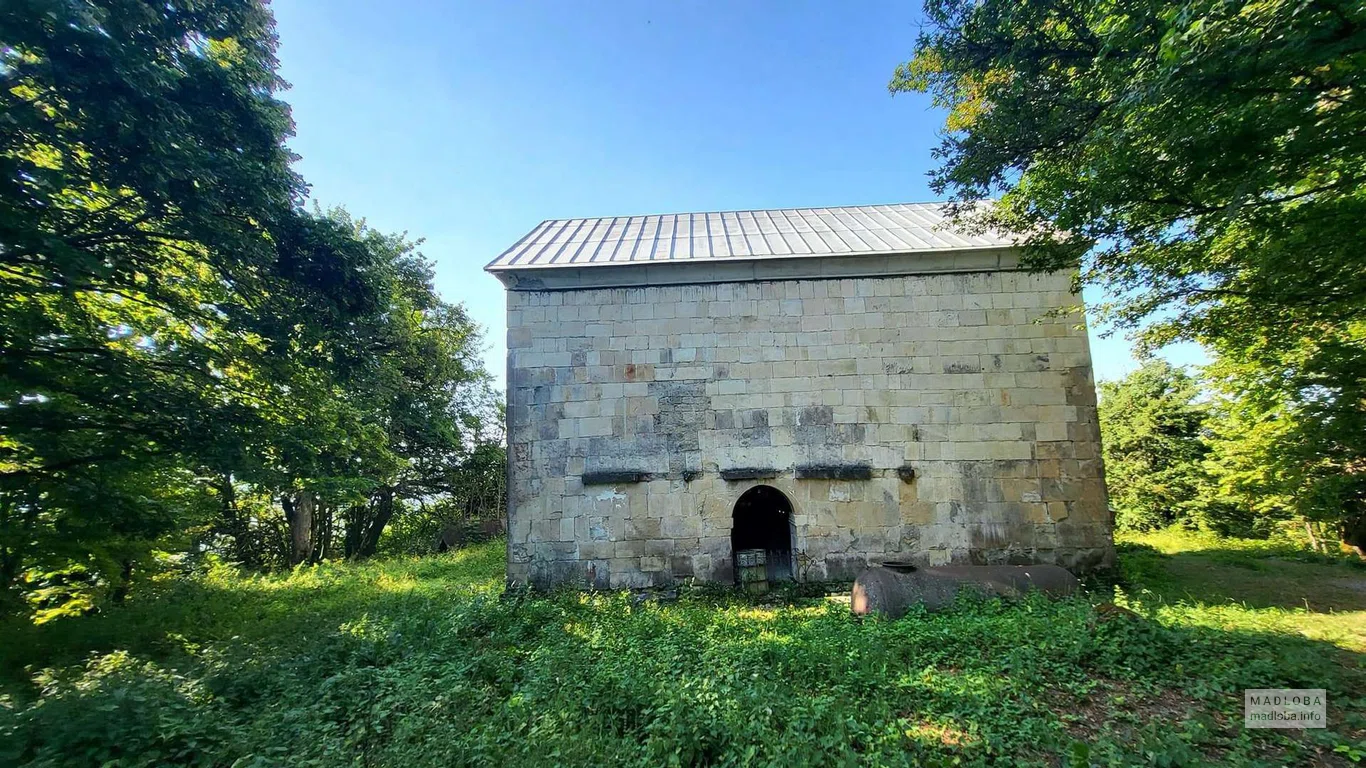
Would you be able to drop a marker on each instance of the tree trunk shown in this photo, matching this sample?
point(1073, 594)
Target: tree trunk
point(17, 519)
point(120, 593)
point(1313, 541)
point(236, 527)
point(9, 556)
point(1352, 531)
point(384, 512)
point(299, 513)
point(325, 525)
point(353, 527)
point(9, 573)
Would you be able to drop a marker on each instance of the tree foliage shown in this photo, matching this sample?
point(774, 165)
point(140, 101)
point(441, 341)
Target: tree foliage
point(1203, 162)
point(1151, 429)
point(1300, 455)
point(183, 345)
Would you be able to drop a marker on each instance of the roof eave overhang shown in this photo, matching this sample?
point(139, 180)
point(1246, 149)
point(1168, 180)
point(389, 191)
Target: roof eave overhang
point(741, 270)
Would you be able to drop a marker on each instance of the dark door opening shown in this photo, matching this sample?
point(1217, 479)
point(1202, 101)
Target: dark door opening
point(763, 520)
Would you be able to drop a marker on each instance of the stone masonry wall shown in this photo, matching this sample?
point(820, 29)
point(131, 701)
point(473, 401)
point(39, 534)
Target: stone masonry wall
point(967, 379)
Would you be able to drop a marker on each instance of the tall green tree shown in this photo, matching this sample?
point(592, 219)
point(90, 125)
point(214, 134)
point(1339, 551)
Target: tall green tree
point(1287, 446)
point(183, 347)
point(142, 169)
point(1202, 162)
point(415, 377)
point(1151, 428)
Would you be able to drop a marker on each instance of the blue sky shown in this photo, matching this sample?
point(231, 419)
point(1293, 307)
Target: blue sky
point(468, 123)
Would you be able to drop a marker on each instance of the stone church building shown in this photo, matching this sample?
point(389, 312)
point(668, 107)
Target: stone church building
point(837, 386)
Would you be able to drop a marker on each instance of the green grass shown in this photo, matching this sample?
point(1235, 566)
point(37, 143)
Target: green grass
point(411, 662)
point(1247, 584)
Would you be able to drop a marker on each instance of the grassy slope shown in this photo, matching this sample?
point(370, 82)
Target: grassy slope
point(419, 661)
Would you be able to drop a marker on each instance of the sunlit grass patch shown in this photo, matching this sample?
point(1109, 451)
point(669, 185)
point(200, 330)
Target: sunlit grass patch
point(1198, 579)
point(944, 734)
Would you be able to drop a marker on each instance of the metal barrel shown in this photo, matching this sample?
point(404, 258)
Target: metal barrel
point(751, 570)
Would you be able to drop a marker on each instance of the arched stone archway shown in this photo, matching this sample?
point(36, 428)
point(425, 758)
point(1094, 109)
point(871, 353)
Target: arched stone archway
point(762, 519)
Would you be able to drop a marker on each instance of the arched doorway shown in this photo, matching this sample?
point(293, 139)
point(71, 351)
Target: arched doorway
point(763, 520)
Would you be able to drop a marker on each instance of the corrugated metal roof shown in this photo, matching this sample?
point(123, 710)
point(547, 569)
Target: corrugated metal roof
point(741, 235)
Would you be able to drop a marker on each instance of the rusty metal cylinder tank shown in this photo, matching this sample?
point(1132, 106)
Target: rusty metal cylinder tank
point(894, 589)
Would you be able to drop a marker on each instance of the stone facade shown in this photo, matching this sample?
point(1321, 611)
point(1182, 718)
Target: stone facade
point(959, 408)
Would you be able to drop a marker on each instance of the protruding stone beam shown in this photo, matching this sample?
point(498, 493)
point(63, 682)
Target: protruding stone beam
point(748, 473)
point(906, 472)
point(835, 472)
point(614, 477)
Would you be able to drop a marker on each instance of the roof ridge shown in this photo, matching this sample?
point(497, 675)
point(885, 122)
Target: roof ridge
point(757, 210)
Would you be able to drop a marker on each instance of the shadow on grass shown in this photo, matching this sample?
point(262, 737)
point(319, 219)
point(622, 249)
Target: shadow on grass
point(1214, 575)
